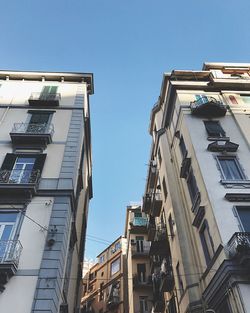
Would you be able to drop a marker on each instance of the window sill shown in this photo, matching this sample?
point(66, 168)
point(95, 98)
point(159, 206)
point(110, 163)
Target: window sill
point(217, 138)
point(244, 183)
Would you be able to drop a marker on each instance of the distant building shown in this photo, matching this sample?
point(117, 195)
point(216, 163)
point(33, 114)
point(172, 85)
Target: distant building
point(45, 187)
point(198, 189)
point(140, 285)
point(105, 284)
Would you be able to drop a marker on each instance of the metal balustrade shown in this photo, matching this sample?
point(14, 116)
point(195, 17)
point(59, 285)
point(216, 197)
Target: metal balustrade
point(10, 251)
point(32, 129)
point(239, 245)
point(19, 177)
point(39, 96)
point(208, 107)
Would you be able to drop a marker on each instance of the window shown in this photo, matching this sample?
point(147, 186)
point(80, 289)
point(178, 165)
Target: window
point(180, 281)
point(137, 213)
point(48, 93)
point(230, 168)
point(171, 226)
point(101, 259)
point(245, 98)
point(8, 227)
point(38, 122)
point(164, 186)
point(214, 129)
point(143, 304)
point(139, 243)
point(21, 168)
point(115, 267)
point(183, 147)
point(101, 295)
point(141, 272)
point(159, 156)
point(207, 242)
point(243, 213)
point(192, 186)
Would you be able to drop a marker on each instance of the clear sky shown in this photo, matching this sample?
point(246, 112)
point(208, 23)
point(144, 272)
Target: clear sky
point(127, 45)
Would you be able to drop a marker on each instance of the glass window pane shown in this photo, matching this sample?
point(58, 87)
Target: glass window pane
point(244, 215)
point(8, 217)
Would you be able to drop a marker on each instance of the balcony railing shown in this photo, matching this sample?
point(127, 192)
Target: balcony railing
point(151, 228)
point(140, 281)
point(157, 204)
point(207, 106)
point(10, 251)
point(140, 221)
point(32, 129)
point(239, 245)
point(140, 250)
point(32, 133)
point(39, 98)
point(16, 177)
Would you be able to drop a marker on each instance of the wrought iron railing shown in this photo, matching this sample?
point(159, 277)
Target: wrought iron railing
point(39, 96)
point(19, 176)
point(33, 129)
point(239, 244)
point(10, 251)
point(142, 280)
point(205, 100)
point(141, 249)
point(140, 221)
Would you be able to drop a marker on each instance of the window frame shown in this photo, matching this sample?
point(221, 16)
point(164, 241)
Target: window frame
point(205, 245)
point(220, 134)
point(113, 263)
point(237, 166)
point(236, 213)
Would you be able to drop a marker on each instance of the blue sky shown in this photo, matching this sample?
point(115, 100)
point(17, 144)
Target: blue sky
point(127, 45)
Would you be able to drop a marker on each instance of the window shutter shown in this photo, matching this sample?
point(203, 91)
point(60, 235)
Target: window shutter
point(39, 163)
point(213, 128)
point(9, 161)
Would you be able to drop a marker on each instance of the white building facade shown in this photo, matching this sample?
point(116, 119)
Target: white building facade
point(199, 167)
point(45, 187)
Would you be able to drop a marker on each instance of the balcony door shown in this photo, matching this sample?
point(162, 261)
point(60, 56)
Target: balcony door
point(139, 243)
point(7, 231)
point(243, 213)
point(48, 93)
point(38, 123)
point(22, 170)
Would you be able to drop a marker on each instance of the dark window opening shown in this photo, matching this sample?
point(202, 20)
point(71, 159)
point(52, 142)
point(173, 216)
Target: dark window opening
point(214, 129)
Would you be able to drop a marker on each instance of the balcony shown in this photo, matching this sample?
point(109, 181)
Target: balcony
point(159, 306)
point(142, 282)
point(10, 251)
point(44, 99)
point(238, 247)
point(151, 228)
point(25, 133)
point(152, 177)
point(208, 107)
point(156, 205)
point(140, 249)
point(113, 302)
point(167, 281)
point(160, 245)
point(147, 202)
point(138, 225)
point(19, 182)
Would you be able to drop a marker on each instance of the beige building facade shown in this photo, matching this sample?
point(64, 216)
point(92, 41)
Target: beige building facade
point(105, 283)
point(138, 262)
point(199, 171)
point(45, 187)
